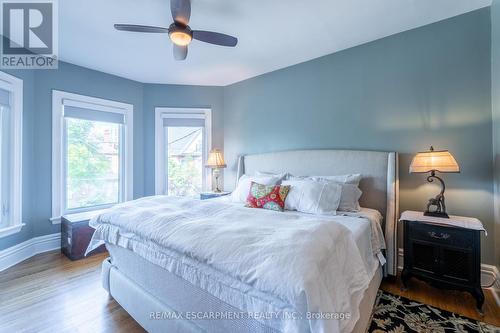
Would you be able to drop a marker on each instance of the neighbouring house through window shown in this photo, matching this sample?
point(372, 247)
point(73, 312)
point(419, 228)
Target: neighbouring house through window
point(92, 147)
point(182, 145)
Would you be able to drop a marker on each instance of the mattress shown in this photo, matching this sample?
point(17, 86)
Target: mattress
point(187, 297)
point(272, 266)
point(186, 301)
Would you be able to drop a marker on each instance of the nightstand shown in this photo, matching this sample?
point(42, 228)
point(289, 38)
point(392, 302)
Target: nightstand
point(211, 195)
point(443, 252)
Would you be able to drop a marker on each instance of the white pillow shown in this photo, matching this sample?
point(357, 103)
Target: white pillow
point(354, 178)
point(349, 200)
point(282, 175)
point(240, 194)
point(313, 197)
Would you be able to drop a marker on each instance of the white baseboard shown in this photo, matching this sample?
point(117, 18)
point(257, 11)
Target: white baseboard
point(17, 253)
point(489, 276)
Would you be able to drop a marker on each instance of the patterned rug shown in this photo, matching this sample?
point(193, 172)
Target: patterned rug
point(396, 314)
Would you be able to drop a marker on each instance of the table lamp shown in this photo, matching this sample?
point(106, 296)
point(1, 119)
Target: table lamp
point(216, 162)
point(435, 161)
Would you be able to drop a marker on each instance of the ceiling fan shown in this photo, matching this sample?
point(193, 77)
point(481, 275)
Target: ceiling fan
point(180, 33)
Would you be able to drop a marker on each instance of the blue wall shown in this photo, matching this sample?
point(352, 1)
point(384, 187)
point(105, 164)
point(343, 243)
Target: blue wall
point(402, 93)
point(426, 86)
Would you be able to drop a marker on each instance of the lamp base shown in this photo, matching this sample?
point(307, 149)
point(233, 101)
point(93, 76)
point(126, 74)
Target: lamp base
point(216, 172)
point(437, 201)
point(437, 214)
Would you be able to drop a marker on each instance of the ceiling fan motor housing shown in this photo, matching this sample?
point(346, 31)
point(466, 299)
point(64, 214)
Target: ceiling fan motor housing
point(180, 34)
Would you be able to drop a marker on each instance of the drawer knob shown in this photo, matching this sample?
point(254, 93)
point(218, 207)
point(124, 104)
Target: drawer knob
point(441, 235)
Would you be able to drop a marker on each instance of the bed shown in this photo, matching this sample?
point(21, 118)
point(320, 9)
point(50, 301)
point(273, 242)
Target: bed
point(202, 281)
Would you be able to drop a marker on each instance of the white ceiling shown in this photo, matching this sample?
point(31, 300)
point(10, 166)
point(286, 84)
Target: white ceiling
point(272, 34)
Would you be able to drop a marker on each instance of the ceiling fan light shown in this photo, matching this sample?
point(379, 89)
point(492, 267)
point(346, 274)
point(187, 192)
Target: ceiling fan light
point(180, 38)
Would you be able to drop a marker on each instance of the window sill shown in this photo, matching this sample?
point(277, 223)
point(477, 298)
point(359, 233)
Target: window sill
point(7, 231)
point(76, 217)
point(55, 220)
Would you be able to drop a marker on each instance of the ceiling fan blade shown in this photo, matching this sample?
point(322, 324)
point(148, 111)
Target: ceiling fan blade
point(215, 38)
point(140, 28)
point(181, 10)
point(180, 52)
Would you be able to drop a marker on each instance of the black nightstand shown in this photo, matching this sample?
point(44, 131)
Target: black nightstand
point(211, 195)
point(442, 253)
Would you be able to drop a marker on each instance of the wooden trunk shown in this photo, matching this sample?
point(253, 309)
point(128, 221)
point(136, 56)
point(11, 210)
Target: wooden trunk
point(75, 237)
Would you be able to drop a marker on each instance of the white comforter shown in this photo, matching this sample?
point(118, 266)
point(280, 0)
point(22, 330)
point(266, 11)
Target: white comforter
point(304, 260)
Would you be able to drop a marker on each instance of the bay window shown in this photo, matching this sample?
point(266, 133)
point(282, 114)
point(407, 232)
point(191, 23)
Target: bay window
point(11, 100)
point(92, 152)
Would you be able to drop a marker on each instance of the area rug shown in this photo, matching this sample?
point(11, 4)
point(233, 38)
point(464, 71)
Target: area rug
point(396, 314)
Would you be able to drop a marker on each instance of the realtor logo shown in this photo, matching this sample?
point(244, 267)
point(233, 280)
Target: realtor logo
point(29, 34)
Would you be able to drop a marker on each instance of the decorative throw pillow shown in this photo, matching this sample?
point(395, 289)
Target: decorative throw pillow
point(267, 196)
point(240, 193)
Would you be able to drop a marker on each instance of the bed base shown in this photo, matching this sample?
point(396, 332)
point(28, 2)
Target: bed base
point(140, 304)
point(143, 306)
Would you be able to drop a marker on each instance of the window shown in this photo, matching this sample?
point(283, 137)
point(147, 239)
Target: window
point(92, 152)
point(182, 145)
point(4, 155)
point(11, 106)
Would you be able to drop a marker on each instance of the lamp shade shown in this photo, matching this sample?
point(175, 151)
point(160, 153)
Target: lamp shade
point(215, 160)
point(441, 161)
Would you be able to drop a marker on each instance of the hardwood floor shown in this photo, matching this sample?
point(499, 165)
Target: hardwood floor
point(49, 293)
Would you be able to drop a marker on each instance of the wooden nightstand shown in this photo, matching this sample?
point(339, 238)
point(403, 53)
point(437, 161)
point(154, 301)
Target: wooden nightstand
point(443, 252)
point(211, 195)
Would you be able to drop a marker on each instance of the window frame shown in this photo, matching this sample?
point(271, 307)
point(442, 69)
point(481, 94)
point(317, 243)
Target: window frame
point(58, 148)
point(160, 156)
point(14, 86)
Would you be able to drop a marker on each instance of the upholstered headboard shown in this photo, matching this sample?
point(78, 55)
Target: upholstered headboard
point(380, 184)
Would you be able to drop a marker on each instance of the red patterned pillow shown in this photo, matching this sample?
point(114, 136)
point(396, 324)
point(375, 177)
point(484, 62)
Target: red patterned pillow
point(267, 196)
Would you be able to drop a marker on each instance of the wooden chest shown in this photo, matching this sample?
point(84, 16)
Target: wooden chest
point(76, 235)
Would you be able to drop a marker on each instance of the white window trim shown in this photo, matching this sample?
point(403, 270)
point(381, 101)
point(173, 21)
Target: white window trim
point(15, 86)
point(162, 112)
point(100, 104)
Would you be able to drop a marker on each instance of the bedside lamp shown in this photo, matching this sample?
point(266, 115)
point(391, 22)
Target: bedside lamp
point(432, 161)
point(216, 162)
